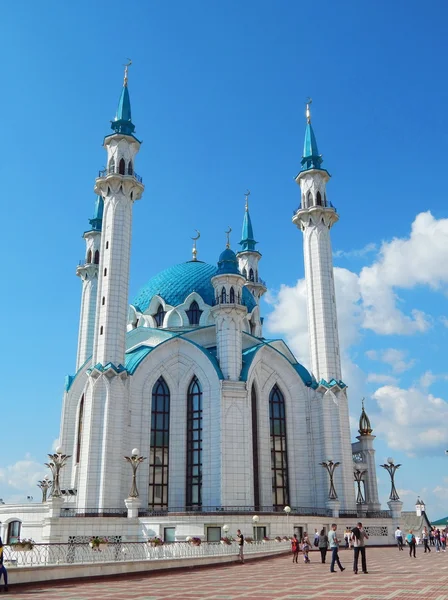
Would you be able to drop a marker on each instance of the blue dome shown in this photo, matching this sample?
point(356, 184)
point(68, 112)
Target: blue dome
point(228, 263)
point(176, 283)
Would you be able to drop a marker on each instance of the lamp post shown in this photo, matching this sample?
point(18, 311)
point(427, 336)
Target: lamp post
point(358, 475)
point(391, 468)
point(44, 486)
point(58, 460)
point(255, 520)
point(330, 467)
point(287, 510)
point(134, 460)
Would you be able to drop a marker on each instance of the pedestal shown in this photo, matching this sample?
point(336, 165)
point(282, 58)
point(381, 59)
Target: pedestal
point(333, 506)
point(361, 510)
point(132, 504)
point(55, 505)
point(395, 507)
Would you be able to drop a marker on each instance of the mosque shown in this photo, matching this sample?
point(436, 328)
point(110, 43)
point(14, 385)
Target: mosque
point(228, 422)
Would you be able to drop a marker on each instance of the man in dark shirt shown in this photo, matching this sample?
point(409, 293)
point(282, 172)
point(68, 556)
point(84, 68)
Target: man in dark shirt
point(3, 570)
point(240, 538)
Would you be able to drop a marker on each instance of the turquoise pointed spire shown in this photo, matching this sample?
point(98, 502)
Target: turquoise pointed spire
point(247, 236)
point(97, 220)
point(311, 158)
point(123, 120)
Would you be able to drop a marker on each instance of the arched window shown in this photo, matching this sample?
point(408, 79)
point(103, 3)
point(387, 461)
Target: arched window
point(251, 275)
point(193, 313)
point(159, 316)
point(80, 421)
point(89, 257)
point(325, 199)
point(101, 330)
point(223, 296)
point(13, 534)
point(232, 296)
point(112, 165)
point(256, 276)
point(194, 445)
point(303, 201)
point(96, 260)
point(279, 457)
point(103, 301)
point(130, 169)
point(253, 397)
point(244, 273)
point(107, 245)
point(158, 453)
point(105, 272)
point(318, 199)
point(122, 167)
point(309, 199)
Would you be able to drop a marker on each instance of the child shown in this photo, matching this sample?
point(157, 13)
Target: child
point(295, 548)
point(306, 547)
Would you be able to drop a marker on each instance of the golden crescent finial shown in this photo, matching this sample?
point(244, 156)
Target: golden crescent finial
point(247, 194)
point(228, 237)
point(194, 251)
point(128, 64)
point(308, 111)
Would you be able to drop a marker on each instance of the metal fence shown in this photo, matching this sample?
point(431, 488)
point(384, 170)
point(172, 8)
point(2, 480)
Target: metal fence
point(78, 554)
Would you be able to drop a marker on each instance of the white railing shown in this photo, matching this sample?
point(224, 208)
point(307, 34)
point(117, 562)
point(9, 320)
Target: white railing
point(75, 554)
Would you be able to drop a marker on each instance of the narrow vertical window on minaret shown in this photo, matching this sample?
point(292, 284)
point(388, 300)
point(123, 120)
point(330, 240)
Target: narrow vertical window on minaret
point(159, 446)
point(319, 199)
point(253, 397)
point(78, 438)
point(130, 169)
point(112, 165)
point(279, 457)
point(121, 167)
point(232, 296)
point(194, 445)
point(89, 257)
point(96, 260)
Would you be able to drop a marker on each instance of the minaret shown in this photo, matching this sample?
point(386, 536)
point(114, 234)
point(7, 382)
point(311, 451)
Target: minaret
point(364, 447)
point(229, 312)
point(88, 272)
point(315, 217)
point(248, 257)
point(120, 186)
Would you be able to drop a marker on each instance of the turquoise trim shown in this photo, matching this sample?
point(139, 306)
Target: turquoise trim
point(97, 220)
point(332, 383)
point(69, 379)
point(135, 357)
point(311, 158)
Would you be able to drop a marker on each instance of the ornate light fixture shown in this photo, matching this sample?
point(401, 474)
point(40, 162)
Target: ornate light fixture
point(44, 486)
point(58, 460)
point(391, 468)
point(330, 466)
point(134, 460)
point(358, 475)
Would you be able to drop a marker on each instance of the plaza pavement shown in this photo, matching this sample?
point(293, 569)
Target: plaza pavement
point(392, 575)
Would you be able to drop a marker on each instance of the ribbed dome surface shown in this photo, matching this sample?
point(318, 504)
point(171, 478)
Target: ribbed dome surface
point(176, 283)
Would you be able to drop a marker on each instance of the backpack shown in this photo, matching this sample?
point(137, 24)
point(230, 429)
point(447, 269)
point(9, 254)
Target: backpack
point(356, 533)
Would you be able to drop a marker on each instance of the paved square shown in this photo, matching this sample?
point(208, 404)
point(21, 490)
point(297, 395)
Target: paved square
point(392, 575)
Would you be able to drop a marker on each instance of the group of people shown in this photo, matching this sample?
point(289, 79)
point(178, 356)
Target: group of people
point(331, 542)
point(434, 537)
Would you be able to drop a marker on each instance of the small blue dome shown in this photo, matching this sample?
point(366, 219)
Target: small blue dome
point(228, 263)
point(176, 283)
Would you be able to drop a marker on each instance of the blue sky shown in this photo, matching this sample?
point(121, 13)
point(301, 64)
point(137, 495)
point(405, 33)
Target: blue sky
point(218, 92)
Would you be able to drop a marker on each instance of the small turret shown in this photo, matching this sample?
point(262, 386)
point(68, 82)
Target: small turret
point(364, 422)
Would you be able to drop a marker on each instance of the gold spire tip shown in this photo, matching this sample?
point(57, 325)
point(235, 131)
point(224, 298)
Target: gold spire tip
point(308, 111)
point(247, 194)
point(128, 64)
point(228, 237)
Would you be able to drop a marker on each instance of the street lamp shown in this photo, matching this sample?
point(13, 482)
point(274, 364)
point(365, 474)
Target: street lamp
point(330, 467)
point(45, 485)
point(358, 475)
point(391, 468)
point(255, 518)
point(58, 460)
point(134, 460)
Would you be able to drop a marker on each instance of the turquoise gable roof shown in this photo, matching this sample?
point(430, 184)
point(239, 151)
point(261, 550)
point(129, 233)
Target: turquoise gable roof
point(176, 283)
point(247, 236)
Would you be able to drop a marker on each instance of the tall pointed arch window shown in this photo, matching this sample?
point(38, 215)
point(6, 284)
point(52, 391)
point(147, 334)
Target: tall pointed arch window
point(89, 257)
point(279, 458)
point(194, 445)
point(319, 199)
point(244, 273)
point(159, 316)
point(122, 166)
point(112, 165)
point(251, 275)
point(223, 296)
point(80, 424)
point(193, 313)
point(232, 296)
point(96, 260)
point(130, 168)
point(255, 462)
point(159, 450)
point(309, 199)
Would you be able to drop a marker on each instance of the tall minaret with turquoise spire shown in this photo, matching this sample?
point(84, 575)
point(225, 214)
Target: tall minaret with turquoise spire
point(248, 257)
point(315, 217)
point(88, 272)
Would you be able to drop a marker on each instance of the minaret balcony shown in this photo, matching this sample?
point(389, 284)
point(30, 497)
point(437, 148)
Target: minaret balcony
point(106, 172)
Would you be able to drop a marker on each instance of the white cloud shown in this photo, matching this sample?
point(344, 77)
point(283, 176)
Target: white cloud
point(444, 321)
point(381, 379)
point(392, 357)
point(411, 419)
point(368, 248)
point(429, 378)
point(20, 476)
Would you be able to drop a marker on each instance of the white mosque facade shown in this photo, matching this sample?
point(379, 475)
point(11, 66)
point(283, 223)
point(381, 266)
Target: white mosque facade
point(228, 421)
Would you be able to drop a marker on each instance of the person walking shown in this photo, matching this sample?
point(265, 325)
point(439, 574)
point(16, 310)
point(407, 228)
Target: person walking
point(425, 538)
point(323, 545)
point(399, 538)
point(410, 538)
point(306, 547)
point(437, 539)
point(295, 547)
point(3, 570)
point(347, 534)
point(359, 536)
point(316, 538)
point(334, 547)
point(240, 539)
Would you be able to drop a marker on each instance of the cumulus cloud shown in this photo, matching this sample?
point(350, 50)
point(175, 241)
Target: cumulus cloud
point(392, 357)
point(20, 476)
point(381, 379)
point(444, 321)
point(357, 253)
point(411, 419)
